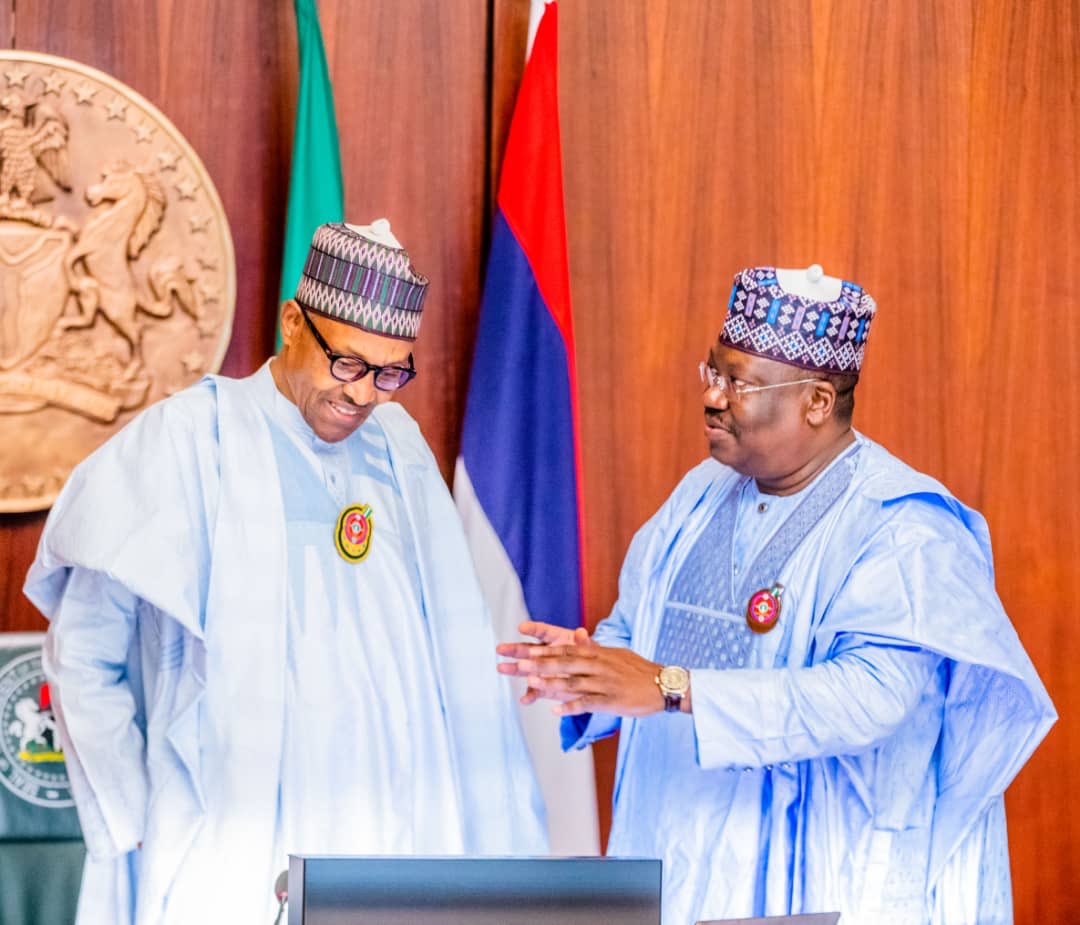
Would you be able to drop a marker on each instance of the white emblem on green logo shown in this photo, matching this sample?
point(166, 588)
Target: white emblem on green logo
point(31, 757)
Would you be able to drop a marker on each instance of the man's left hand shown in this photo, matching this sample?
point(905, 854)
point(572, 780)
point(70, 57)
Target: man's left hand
point(593, 679)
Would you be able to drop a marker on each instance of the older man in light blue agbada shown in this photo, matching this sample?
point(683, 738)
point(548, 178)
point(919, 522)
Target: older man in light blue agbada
point(821, 700)
point(266, 637)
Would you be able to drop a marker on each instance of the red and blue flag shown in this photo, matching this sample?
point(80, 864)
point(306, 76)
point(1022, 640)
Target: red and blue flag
point(518, 478)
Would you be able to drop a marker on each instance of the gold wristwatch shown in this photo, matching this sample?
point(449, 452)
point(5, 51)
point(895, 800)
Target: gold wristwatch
point(673, 682)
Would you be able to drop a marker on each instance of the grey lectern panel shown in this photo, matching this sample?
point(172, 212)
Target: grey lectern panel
point(477, 891)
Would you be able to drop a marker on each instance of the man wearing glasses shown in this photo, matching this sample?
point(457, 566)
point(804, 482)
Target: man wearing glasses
point(266, 635)
point(821, 700)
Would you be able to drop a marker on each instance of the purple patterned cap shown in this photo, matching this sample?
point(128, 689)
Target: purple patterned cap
point(361, 275)
point(767, 320)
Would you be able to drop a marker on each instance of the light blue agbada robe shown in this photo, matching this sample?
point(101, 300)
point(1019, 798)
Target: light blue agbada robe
point(229, 689)
point(854, 758)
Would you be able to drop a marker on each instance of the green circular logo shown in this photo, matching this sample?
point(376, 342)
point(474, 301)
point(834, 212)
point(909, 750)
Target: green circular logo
point(31, 757)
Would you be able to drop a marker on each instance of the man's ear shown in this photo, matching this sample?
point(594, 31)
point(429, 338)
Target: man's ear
point(822, 403)
point(290, 322)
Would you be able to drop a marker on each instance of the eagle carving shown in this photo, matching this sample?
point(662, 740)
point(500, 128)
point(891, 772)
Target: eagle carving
point(32, 136)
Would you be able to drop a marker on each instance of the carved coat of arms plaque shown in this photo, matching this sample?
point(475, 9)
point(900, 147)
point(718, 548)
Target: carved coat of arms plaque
point(117, 275)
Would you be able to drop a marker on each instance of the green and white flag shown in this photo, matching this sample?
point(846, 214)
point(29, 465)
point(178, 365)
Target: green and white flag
point(316, 192)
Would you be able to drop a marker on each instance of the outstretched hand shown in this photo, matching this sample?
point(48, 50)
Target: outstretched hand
point(580, 675)
point(547, 635)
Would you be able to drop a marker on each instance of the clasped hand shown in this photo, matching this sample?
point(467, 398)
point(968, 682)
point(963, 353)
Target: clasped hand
point(580, 675)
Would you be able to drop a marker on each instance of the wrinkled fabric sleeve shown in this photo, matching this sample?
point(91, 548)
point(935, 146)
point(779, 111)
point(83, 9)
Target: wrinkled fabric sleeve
point(86, 658)
point(919, 563)
point(846, 705)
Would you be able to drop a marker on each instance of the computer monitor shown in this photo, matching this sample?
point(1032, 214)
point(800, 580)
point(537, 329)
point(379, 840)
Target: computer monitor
point(477, 891)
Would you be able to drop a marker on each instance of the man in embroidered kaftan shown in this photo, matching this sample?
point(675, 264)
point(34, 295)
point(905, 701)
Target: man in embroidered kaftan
point(820, 698)
point(266, 637)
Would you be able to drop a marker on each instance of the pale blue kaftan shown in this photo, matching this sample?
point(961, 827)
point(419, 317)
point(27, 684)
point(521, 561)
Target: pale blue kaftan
point(231, 690)
point(853, 758)
point(381, 654)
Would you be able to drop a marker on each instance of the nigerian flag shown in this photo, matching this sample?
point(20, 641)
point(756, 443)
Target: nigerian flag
point(315, 188)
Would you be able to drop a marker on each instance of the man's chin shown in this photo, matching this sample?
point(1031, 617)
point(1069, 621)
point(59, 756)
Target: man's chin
point(723, 446)
point(731, 455)
point(719, 436)
point(336, 427)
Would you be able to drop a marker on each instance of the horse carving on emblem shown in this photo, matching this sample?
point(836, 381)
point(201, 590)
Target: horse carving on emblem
point(99, 266)
point(117, 276)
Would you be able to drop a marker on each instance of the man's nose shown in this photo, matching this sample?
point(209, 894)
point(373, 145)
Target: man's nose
point(716, 396)
point(362, 391)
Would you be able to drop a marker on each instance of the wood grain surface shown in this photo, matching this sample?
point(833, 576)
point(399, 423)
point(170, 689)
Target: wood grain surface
point(924, 149)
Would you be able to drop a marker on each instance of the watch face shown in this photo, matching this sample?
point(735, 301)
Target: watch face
point(674, 679)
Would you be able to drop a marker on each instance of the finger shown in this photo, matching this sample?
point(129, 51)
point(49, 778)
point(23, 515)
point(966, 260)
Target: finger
point(563, 688)
point(514, 649)
point(531, 696)
point(564, 652)
point(531, 650)
point(577, 663)
point(586, 704)
point(524, 668)
point(549, 686)
point(538, 630)
point(519, 669)
point(582, 637)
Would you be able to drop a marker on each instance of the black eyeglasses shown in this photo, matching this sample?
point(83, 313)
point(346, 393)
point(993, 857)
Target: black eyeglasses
point(347, 368)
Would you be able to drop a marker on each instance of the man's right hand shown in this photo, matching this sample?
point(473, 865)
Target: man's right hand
point(546, 634)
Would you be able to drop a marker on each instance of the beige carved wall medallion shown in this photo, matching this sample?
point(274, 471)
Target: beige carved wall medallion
point(117, 276)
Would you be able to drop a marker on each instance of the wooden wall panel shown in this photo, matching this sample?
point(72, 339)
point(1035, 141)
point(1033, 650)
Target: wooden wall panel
point(218, 72)
point(671, 178)
point(410, 82)
point(223, 74)
point(410, 85)
point(1015, 447)
point(923, 149)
